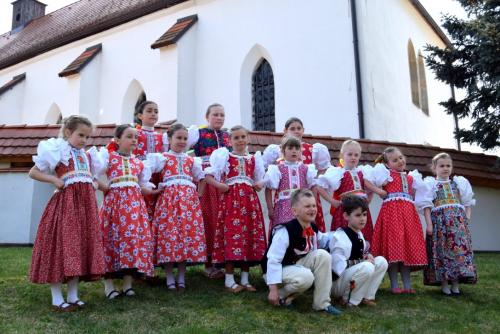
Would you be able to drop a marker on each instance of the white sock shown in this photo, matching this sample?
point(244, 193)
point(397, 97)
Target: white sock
point(127, 282)
point(445, 287)
point(73, 290)
point(230, 280)
point(108, 286)
point(57, 297)
point(454, 287)
point(181, 273)
point(244, 278)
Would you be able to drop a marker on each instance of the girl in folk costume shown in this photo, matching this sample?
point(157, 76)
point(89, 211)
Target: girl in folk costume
point(127, 240)
point(447, 211)
point(398, 234)
point(148, 141)
point(205, 140)
point(68, 245)
point(178, 221)
point(240, 232)
point(286, 177)
point(347, 181)
point(316, 154)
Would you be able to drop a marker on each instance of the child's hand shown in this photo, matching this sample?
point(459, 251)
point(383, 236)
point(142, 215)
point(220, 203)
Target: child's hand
point(270, 212)
point(335, 203)
point(369, 258)
point(428, 230)
point(383, 194)
point(258, 186)
point(223, 188)
point(58, 183)
point(273, 297)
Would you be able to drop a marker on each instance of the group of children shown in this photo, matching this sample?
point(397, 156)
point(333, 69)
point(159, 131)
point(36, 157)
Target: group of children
point(163, 207)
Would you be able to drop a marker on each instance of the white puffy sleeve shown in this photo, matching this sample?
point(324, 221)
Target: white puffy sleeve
point(50, 153)
point(424, 199)
point(219, 163)
point(259, 172)
point(465, 189)
point(321, 156)
point(164, 140)
point(331, 179)
point(379, 175)
point(155, 161)
point(312, 172)
point(272, 177)
point(145, 175)
point(366, 170)
point(270, 155)
point(193, 135)
point(98, 160)
point(198, 173)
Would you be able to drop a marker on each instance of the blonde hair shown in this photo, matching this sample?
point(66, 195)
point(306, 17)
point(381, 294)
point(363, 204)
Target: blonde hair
point(438, 156)
point(347, 143)
point(72, 122)
point(383, 156)
point(297, 195)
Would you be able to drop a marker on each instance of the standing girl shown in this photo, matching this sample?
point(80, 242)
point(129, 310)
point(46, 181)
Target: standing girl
point(316, 154)
point(286, 177)
point(447, 211)
point(205, 140)
point(347, 181)
point(68, 245)
point(126, 229)
point(178, 221)
point(240, 232)
point(398, 234)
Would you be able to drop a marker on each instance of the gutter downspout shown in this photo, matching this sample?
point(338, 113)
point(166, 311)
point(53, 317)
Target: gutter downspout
point(361, 117)
point(455, 117)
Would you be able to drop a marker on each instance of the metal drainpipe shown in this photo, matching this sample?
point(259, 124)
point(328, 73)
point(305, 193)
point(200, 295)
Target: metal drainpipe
point(361, 117)
point(455, 117)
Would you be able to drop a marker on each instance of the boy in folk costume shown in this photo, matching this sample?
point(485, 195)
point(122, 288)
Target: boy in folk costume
point(356, 273)
point(294, 260)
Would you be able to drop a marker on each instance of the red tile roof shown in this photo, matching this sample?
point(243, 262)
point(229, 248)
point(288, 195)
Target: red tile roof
point(81, 61)
point(175, 32)
point(19, 142)
point(15, 80)
point(74, 22)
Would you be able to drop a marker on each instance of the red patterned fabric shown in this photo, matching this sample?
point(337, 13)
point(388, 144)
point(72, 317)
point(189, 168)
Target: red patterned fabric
point(68, 243)
point(346, 186)
point(178, 221)
point(125, 224)
point(240, 231)
point(398, 234)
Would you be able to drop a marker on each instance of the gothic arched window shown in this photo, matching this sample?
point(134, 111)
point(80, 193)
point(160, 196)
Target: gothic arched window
point(424, 103)
point(415, 96)
point(263, 98)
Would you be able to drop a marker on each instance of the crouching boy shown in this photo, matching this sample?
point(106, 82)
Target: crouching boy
point(356, 273)
point(293, 261)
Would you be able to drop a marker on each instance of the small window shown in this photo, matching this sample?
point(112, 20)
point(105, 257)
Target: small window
point(415, 96)
point(422, 83)
point(263, 98)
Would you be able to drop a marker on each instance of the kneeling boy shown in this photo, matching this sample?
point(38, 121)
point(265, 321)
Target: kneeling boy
point(356, 273)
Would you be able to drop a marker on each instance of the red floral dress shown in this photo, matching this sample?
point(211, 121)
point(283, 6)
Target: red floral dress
point(68, 241)
point(125, 224)
point(204, 141)
point(240, 231)
point(398, 234)
point(178, 222)
point(307, 159)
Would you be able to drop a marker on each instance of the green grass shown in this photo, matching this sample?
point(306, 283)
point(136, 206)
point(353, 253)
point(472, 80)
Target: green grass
point(207, 308)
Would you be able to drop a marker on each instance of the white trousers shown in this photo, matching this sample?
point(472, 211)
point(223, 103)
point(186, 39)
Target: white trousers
point(315, 268)
point(367, 278)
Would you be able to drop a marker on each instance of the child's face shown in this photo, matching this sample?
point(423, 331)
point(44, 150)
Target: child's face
point(292, 154)
point(351, 156)
point(239, 140)
point(396, 160)
point(357, 219)
point(79, 137)
point(178, 141)
point(444, 168)
point(149, 115)
point(216, 118)
point(128, 141)
point(305, 210)
point(295, 129)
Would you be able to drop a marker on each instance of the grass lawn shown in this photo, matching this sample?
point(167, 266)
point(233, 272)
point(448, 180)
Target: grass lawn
point(207, 308)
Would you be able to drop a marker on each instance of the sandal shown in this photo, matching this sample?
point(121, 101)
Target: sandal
point(78, 303)
point(61, 308)
point(250, 288)
point(235, 288)
point(112, 295)
point(397, 291)
point(129, 292)
point(172, 287)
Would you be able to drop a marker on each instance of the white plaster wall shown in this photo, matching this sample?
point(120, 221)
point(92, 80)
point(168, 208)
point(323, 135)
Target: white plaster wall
point(11, 103)
point(384, 29)
point(90, 89)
